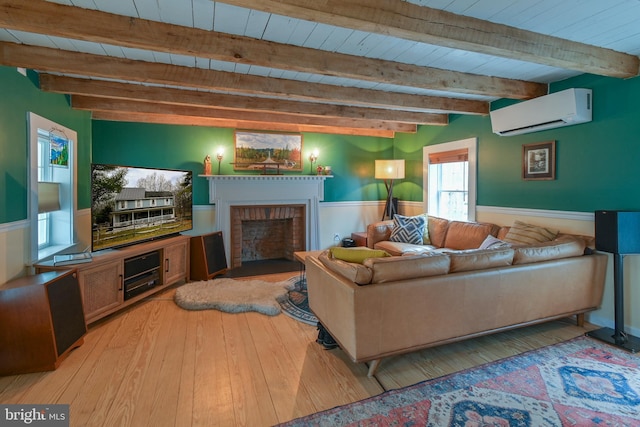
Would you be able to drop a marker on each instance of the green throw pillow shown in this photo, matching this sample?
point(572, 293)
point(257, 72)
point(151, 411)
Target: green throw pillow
point(358, 254)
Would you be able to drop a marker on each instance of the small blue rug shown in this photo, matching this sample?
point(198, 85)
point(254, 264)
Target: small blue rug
point(296, 304)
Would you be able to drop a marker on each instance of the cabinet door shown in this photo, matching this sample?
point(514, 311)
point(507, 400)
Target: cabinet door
point(102, 288)
point(176, 262)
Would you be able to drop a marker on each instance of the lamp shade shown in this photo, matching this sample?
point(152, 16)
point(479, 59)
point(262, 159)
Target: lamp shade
point(48, 196)
point(390, 169)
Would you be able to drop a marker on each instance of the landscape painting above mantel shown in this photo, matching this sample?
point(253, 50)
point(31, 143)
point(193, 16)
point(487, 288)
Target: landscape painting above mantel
point(261, 151)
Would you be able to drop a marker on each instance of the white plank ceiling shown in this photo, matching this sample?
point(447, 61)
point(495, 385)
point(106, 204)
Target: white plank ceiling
point(337, 101)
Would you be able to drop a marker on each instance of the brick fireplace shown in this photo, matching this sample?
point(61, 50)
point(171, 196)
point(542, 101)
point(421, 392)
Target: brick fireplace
point(253, 205)
point(266, 232)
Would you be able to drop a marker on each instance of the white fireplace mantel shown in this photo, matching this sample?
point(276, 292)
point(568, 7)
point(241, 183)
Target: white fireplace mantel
point(245, 190)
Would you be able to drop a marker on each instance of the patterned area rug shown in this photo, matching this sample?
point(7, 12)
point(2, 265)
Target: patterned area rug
point(581, 382)
point(296, 304)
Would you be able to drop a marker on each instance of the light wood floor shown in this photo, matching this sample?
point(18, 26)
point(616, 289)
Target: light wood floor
point(156, 364)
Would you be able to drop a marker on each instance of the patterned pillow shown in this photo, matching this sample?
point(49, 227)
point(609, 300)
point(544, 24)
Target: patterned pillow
point(527, 234)
point(408, 229)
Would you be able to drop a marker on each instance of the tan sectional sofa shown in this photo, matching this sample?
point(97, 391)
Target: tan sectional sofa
point(428, 295)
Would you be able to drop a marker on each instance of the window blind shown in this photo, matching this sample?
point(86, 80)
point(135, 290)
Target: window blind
point(453, 156)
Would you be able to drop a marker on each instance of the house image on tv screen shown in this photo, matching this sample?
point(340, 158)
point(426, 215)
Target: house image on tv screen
point(137, 206)
point(131, 204)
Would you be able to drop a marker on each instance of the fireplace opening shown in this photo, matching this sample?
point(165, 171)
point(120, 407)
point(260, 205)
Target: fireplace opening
point(266, 232)
point(266, 239)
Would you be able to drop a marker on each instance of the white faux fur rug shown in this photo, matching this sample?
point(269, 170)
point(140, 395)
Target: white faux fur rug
point(233, 296)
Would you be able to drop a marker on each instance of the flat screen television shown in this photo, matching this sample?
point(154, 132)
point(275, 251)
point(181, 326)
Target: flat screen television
point(136, 204)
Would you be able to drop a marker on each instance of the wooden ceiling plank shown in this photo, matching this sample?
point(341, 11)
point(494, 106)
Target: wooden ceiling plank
point(234, 124)
point(110, 89)
point(426, 25)
point(84, 64)
point(101, 27)
point(81, 102)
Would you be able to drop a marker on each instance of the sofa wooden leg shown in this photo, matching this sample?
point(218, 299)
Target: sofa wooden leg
point(373, 366)
point(580, 319)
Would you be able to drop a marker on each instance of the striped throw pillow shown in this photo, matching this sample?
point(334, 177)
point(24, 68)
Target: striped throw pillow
point(521, 233)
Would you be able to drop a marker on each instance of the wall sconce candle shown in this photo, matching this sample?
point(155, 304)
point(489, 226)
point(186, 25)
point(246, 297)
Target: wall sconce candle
point(313, 157)
point(219, 156)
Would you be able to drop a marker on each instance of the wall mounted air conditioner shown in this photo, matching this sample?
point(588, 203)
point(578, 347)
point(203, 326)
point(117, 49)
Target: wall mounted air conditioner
point(564, 108)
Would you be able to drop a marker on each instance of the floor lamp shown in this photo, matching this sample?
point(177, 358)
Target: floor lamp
point(389, 170)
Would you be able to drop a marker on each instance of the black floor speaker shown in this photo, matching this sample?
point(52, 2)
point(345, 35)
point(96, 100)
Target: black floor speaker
point(618, 232)
point(207, 256)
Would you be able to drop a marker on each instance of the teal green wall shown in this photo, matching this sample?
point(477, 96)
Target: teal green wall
point(21, 95)
point(184, 147)
point(596, 162)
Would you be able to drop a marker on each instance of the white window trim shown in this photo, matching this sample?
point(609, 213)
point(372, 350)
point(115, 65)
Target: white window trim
point(471, 145)
point(36, 122)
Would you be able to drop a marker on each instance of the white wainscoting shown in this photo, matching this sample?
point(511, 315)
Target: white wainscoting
point(344, 218)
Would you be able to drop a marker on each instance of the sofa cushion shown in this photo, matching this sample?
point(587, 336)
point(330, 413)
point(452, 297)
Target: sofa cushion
point(357, 254)
point(407, 267)
point(468, 235)
point(408, 229)
point(479, 259)
point(527, 234)
point(399, 248)
point(563, 247)
point(437, 230)
point(502, 232)
point(355, 272)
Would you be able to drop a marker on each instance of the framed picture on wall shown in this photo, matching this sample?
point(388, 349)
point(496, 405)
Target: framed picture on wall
point(59, 151)
point(263, 151)
point(539, 161)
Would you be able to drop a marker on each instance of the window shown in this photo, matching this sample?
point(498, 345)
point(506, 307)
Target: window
point(44, 175)
point(449, 172)
point(52, 181)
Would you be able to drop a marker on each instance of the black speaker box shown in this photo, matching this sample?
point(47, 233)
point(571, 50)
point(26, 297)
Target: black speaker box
point(67, 315)
point(618, 232)
point(207, 256)
point(41, 321)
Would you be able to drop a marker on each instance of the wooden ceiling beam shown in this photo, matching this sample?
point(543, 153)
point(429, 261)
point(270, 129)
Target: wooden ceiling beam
point(101, 27)
point(85, 64)
point(80, 102)
point(110, 89)
point(438, 27)
point(234, 124)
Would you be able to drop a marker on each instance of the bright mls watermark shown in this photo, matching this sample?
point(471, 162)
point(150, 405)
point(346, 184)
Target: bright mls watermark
point(34, 415)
